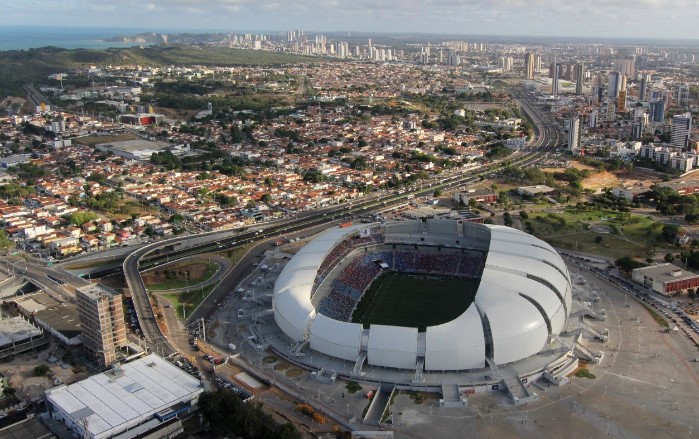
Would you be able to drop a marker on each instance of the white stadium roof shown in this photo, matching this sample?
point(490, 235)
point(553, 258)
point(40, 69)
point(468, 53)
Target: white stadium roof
point(523, 295)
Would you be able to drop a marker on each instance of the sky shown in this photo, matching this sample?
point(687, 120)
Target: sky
point(677, 19)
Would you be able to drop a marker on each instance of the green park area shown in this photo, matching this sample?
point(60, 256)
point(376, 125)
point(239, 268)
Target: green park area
point(179, 275)
point(604, 232)
point(185, 303)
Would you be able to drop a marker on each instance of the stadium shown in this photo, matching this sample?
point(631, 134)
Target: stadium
point(440, 296)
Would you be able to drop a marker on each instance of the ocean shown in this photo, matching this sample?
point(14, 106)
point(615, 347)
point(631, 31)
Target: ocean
point(30, 37)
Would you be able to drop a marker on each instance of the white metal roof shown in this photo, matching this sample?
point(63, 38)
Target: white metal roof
point(113, 403)
point(293, 308)
point(543, 296)
point(529, 251)
point(524, 265)
point(456, 345)
point(517, 327)
point(392, 346)
point(338, 339)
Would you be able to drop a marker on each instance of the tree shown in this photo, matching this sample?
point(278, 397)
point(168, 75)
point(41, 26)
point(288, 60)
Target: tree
point(359, 163)
point(627, 263)
point(669, 257)
point(523, 214)
point(227, 415)
point(529, 227)
point(176, 218)
point(437, 193)
point(82, 217)
point(507, 219)
point(5, 242)
point(670, 232)
point(41, 370)
point(598, 239)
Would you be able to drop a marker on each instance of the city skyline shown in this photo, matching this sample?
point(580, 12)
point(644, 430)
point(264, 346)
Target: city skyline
point(624, 19)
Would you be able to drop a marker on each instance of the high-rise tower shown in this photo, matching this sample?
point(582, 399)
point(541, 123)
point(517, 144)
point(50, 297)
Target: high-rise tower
point(529, 63)
point(681, 128)
point(579, 73)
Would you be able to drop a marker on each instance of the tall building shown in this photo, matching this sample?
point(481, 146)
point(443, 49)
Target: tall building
point(574, 134)
point(681, 127)
point(101, 322)
point(643, 92)
point(657, 111)
point(621, 101)
point(579, 77)
point(625, 66)
point(592, 121)
point(505, 63)
point(614, 84)
point(529, 65)
point(611, 111)
point(554, 80)
point(683, 95)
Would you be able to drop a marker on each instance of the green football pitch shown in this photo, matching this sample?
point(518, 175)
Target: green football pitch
point(414, 300)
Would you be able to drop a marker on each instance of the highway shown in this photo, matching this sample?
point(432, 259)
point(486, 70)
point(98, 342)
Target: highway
point(548, 137)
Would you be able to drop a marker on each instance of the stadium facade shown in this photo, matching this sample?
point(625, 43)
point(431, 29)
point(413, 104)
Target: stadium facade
point(523, 298)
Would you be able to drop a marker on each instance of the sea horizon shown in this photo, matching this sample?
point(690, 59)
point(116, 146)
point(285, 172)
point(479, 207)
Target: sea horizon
point(31, 37)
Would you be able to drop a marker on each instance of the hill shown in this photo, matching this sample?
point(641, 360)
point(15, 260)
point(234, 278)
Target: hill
point(19, 67)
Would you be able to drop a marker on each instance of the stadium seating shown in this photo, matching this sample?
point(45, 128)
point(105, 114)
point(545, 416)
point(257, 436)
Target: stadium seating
point(355, 278)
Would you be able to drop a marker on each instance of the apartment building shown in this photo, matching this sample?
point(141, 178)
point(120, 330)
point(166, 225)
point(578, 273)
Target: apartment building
point(102, 322)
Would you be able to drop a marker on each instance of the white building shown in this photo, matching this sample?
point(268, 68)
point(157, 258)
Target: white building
point(681, 128)
point(516, 143)
point(138, 396)
point(574, 134)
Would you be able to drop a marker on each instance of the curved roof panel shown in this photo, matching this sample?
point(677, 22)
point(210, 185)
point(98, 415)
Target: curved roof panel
point(456, 345)
point(334, 338)
point(392, 346)
point(517, 327)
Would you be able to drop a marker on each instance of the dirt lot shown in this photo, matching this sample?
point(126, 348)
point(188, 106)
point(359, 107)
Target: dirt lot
point(601, 180)
point(95, 140)
point(20, 372)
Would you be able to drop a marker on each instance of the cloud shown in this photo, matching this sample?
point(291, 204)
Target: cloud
point(636, 18)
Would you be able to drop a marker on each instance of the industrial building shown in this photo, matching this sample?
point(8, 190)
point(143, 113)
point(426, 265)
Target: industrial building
point(60, 320)
point(143, 398)
point(102, 322)
point(666, 279)
point(141, 149)
point(17, 336)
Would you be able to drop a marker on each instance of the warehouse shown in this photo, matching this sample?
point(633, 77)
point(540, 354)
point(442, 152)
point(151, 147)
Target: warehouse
point(143, 396)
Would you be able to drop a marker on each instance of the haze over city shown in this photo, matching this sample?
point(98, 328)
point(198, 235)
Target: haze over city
point(625, 19)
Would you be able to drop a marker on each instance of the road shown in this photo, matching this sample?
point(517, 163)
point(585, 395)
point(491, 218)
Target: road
point(57, 283)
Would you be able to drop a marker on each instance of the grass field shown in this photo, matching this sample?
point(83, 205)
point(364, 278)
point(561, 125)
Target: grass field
point(634, 235)
point(199, 271)
point(414, 300)
point(189, 300)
